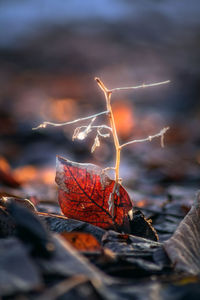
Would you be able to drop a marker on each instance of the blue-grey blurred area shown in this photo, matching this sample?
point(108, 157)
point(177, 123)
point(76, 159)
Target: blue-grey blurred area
point(50, 52)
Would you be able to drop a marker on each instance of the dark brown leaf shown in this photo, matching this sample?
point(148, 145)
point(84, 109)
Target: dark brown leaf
point(140, 226)
point(24, 202)
point(18, 272)
point(61, 224)
point(183, 248)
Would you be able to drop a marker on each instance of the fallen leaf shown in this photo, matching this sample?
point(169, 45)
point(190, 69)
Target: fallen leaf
point(59, 224)
point(129, 245)
point(134, 255)
point(82, 241)
point(7, 225)
point(30, 230)
point(66, 261)
point(84, 193)
point(24, 202)
point(183, 248)
point(140, 226)
point(18, 272)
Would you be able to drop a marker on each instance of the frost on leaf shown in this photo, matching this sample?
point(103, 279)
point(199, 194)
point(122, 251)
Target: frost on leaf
point(84, 192)
point(81, 135)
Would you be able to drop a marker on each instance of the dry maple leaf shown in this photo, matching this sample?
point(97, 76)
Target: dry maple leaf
point(84, 192)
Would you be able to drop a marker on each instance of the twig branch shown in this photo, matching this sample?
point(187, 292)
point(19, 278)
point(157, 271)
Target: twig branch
point(78, 134)
point(149, 138)
point(97, 127)
point(81, 135)
point(44, 124)
point(108, 93)
point(139, 86)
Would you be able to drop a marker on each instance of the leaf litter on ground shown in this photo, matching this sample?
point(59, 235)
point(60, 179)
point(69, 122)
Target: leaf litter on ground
point(136, 256)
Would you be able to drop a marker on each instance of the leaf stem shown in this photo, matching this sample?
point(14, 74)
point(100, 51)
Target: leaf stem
point(108, 94)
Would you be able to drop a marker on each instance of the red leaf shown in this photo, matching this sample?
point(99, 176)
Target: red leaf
point(84, 193)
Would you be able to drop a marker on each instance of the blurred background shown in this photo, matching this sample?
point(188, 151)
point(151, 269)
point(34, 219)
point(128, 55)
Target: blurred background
point(50, 52)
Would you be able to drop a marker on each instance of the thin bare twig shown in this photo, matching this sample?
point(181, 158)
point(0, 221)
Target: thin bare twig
point(108, 94)
point(139, 86)
point(149, 138)
point(97, 127)
point(44, 124)
point(118, 147)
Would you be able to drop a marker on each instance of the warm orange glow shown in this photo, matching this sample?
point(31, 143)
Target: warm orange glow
point(124, 118)
point(48, 175)
point(141, 203)
point(25, 174)
point(4, 165)
point(28, 174)
point(61, 110)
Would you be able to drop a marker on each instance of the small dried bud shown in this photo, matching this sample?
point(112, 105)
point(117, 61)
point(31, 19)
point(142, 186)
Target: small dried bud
point(82, 135)
point(76, 133)
point(96, 143)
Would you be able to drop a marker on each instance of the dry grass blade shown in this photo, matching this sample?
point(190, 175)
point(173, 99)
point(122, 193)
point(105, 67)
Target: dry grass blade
point(63, 287)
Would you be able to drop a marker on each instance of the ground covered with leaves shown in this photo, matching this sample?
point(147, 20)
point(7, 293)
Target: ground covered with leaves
point(45, 255)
